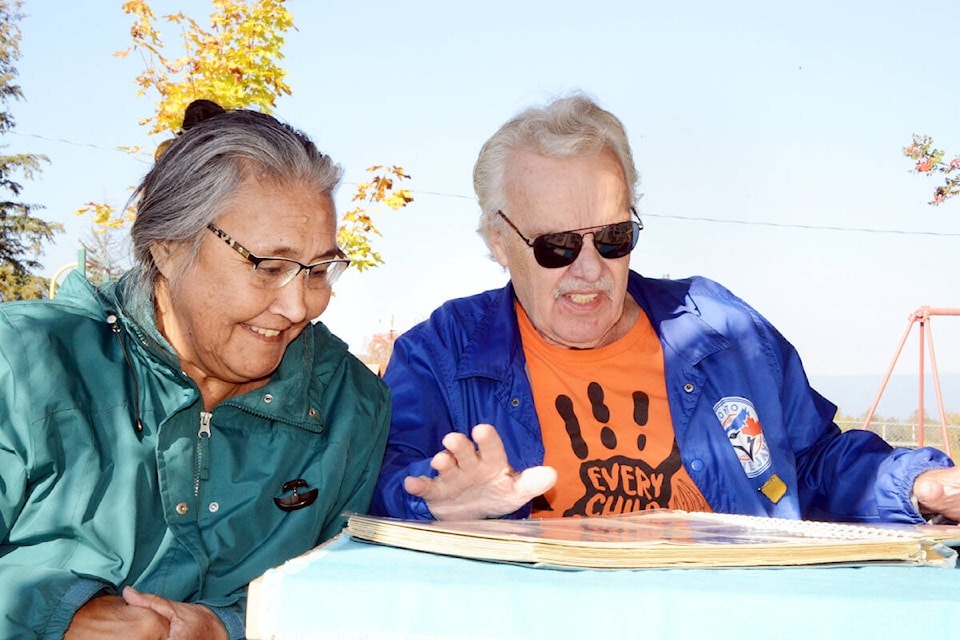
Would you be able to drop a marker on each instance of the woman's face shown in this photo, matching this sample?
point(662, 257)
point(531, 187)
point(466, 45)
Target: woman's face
point(227, 332)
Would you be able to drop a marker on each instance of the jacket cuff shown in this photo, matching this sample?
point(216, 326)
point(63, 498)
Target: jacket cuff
point(895, 480)
point(232, 622)
point(79, 594)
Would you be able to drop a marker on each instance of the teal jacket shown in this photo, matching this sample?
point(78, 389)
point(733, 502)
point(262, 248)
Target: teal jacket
point(189, 508)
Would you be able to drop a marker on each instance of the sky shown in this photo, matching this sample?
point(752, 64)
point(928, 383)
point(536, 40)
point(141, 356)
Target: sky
point(768, 138)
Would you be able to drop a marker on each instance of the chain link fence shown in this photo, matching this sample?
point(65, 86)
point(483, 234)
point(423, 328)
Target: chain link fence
point(907, 434)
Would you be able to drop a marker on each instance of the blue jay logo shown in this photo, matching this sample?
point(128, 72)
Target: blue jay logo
point(739, 420)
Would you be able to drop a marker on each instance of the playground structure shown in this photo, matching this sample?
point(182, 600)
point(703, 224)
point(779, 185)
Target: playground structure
point(83, 264)
point(921, 316)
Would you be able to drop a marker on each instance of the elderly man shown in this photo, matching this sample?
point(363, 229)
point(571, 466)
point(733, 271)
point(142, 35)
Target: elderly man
point(583, 388)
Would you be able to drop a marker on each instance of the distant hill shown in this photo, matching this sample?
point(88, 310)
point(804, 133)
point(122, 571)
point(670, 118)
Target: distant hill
point(855, 394)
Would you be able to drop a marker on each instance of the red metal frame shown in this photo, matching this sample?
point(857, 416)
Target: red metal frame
point(922, 316)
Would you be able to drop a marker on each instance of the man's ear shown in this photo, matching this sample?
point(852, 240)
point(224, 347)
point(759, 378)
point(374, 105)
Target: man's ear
point(498, 245)
point(165, 255)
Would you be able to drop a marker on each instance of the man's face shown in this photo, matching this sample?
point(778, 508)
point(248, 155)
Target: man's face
point(580, 305)
point(221, 325)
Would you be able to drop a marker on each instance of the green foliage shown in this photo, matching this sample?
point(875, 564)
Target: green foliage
point(22, 234)
point(21, 286)
point(931, 161)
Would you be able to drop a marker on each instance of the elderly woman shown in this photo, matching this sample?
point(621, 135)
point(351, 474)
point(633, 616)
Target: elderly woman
point(167, 438)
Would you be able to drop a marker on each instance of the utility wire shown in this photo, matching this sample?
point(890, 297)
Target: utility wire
point(757, 223)
point(147, 157)
point(748, 223)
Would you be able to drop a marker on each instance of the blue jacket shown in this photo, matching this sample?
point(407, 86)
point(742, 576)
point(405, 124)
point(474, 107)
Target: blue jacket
point(465, 365)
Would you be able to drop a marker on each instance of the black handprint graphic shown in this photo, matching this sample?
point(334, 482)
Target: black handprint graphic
point(601, 413)
point(620, 483)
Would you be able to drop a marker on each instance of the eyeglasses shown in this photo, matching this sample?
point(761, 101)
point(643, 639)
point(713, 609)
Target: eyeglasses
point(560, 249)
point(273, 273)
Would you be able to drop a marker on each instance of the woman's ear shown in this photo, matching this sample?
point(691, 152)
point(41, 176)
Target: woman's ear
point(165, 254)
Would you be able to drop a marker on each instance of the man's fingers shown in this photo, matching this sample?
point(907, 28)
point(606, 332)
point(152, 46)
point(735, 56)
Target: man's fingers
point(927, 491)
point(533, 482)
point(476, 480)
point(491, 450)
point(444, 461)
point(417, 485)
point(463, 450)
point(485, 449)
point(938, 490)
point(430, 489)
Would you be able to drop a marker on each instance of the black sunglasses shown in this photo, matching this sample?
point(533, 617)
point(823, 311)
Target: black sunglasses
point(560, 249)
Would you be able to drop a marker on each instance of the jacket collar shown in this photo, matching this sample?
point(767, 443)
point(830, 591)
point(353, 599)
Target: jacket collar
point(495, 341)
point(293, 393)
point(676, 317)
point(295, 388)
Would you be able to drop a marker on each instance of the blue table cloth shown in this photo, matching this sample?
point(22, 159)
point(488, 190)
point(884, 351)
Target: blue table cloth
point(354, 590)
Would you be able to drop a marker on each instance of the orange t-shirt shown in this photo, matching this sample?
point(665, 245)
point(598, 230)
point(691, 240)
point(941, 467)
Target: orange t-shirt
point(606, 426)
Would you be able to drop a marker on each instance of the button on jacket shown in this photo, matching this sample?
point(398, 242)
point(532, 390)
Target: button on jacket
point(190, 507)
point(465, 365)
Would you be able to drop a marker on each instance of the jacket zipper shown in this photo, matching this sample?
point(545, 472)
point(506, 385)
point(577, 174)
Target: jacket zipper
point(201, 464)
point(115, 327)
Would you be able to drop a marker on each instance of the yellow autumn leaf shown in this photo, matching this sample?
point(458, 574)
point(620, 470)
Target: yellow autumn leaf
point(234, 60)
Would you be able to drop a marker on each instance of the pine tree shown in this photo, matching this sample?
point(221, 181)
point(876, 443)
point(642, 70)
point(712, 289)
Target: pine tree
point(21, 232)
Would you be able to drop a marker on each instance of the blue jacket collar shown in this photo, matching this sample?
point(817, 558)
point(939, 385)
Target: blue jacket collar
point(495, 342)
point(676, 318)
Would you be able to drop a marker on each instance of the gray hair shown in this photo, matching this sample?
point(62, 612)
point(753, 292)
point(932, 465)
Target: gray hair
point(568, 127)
point(195, 175)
